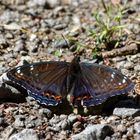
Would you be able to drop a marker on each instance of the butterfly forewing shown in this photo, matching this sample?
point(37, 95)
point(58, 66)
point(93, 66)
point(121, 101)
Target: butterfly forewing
point(44, 81)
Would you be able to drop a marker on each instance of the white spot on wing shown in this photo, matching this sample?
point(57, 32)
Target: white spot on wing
point(120, 83)
point(82, 102)
point(28, 91)
point(124, 80)
point(31, 67)
point(125, 77)
point(111, 80)
point(18, 71)
point(113, 75)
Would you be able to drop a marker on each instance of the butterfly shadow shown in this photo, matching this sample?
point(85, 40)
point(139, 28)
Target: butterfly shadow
point(105, 108)
point(129, 102)
point(120, 101)
point(7, 94)
point(12, 94)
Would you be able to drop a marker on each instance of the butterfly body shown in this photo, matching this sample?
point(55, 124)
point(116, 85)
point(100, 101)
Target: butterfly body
point(82, 83)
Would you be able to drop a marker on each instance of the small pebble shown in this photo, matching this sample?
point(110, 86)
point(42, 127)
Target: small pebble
point(26, 134)
point(46, 112)
point(125, 112)
point(137, 127)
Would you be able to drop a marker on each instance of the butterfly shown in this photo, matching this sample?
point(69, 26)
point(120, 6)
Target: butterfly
point(82, 84)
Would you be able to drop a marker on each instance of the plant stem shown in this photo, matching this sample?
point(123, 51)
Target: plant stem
point(103, 3)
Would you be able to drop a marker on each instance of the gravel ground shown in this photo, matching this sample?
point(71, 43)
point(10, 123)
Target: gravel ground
point(31, 31)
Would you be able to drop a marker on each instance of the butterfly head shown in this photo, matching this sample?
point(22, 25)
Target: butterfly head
point(76, 59)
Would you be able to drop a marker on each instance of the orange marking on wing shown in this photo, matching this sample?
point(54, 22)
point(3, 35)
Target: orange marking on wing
point(72, 99)
point(21, 77)
point(79, 98)
point(46, 94)
point(18, 76)
point(50, 95)
point(87, 97)
point(121, 86)
point(58, 97)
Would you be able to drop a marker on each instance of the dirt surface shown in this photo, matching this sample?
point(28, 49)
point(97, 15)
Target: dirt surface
point(42, 30)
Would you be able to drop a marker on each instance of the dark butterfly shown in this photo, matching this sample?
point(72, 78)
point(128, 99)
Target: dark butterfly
point(82, 83)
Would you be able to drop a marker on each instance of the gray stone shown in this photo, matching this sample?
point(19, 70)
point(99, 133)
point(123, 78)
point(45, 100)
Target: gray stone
point(60, 44)
point(50, 23)
point(72, 118)
point(46, 3)
point(19, 46)
point(9, 36)
point(58, 9)
point(58, 123)
point(118, 59)
point(65, 125)
point(116, 136)
point(137, 68)
point(8, 16)
point(26, 134)
point(19, 121)
point(30, 100)
point(63, 135)
point(2, 40)
point(122, 128)
point(34, 48)
point(46, 112)
point(12, 26)
point(137, 127)
point(94, 132)
point(76, 20)
point(128, 65)
point(63, 116)
point(137, 119)
point(1, 121)
point(107, 138)
point(54, 120)
point(4, 135)
point(33, 121)
point(126, 112)
point(136, 136)
point(125, 72)
point(1, 113)
point(77, 127)
point(40, 2)
point(60, 26)
point(135, 57)
point(24, 53)
point(30, 122)
point(120, 65)
point(13, 90)
point(30, 125)
point(130, 132)
point(112, 118)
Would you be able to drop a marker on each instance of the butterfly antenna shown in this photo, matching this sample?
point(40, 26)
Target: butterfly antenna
point(66, 40)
